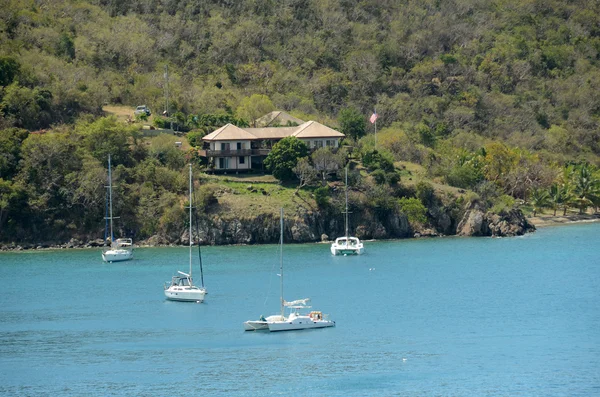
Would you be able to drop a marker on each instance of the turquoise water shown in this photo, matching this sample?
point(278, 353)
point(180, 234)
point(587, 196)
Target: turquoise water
point(430, 317)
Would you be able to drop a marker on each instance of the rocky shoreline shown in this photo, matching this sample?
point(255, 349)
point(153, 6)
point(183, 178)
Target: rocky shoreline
point(310, 227)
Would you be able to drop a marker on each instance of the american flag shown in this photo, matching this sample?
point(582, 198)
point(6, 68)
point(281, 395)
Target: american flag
point(373, 118)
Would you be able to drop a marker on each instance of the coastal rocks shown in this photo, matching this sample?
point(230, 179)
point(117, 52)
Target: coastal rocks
point(508, 223)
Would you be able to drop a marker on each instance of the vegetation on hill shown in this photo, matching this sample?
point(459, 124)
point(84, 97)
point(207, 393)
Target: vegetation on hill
point(497, 98)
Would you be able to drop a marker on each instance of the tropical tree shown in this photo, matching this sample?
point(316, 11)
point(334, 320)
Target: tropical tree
point(326, 162)
point(557, 196)
point(284, 157)
point(305, 173)
point(253, 107)
point(352, 123)
point(539, 199)
point(586, 188)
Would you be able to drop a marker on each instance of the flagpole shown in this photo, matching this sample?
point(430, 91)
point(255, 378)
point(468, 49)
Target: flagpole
point(375, 128)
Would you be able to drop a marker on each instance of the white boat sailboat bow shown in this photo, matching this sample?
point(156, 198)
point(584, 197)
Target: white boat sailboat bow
point(182, 286)
point(347, 245)
point(295, 320)
point(120, 249)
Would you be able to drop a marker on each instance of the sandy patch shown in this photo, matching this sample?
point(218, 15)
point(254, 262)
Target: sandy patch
point(559, 219)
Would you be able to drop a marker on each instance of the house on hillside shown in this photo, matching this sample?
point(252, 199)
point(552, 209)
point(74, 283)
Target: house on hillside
point(232, 149)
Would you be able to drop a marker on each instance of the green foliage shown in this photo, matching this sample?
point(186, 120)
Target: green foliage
point(284, 157)
point(425, 193)
point(194, 138)
point(9, 69)
point(414, 210)
point(539, 199)
point(253, 107)
point(503, 204)
point(378, 160)
point(30, 108)
point(107, 136)
point(205, 197)
point(164, 150)
point(10, 150)
point(322, 195)
point(379, 176)
point(352, 123)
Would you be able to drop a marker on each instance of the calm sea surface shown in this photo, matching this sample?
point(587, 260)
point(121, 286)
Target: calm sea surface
point(430, 317)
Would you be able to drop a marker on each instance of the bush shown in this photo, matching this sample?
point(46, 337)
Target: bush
point(414, 210)
point(322, 195)
point(378, 176)
point(194, 138)
point(503, 204)
point(392, 177)
point(375, 160)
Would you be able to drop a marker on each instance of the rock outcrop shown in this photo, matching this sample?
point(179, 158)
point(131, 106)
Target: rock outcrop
point(476, 222)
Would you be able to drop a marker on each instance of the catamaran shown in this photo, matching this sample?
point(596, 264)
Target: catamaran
point(182, 286)
point(120, 249)
point(295, 320)
point(347, 245)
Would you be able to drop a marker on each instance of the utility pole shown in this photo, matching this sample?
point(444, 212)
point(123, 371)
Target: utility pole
point(166, 112)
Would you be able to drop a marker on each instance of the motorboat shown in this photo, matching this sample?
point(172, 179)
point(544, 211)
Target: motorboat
point(296, 320)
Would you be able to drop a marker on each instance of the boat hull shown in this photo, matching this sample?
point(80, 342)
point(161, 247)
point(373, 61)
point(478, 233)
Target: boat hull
point(299, 324)
point(117, 255)
point(263, 324)
point(256, 326)
point(346, 251)
point(183, 295)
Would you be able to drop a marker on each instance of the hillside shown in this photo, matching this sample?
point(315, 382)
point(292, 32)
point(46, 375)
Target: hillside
point(495, 103)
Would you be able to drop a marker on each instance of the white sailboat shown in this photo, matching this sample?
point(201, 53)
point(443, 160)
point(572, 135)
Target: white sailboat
point(182, 286)
point(120, 249)
point(295, 320)
point(347, 245)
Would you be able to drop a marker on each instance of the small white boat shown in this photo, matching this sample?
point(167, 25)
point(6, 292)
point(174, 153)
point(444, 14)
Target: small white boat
point(120, 249)
point(182, 286)
point(295, 320)
point(347, 245)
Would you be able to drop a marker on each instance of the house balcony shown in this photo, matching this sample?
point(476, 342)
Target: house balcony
point(232, 153)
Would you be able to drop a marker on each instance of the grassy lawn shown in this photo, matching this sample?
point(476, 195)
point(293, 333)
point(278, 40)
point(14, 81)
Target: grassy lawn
point(411, 174)
point(247, 197)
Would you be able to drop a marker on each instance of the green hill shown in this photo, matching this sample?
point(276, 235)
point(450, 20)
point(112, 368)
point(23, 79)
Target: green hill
point(497, 98)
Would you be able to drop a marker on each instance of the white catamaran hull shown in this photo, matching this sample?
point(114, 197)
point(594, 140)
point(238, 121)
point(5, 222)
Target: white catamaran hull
point(185, 294)
point(298, 323)
point(261, 325)
point(346, 250)
point(117, 255)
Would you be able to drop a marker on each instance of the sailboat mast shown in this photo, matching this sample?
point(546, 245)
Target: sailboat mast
point(110, 216)
point(190, 220)
point(346, 204)
point(281, 258)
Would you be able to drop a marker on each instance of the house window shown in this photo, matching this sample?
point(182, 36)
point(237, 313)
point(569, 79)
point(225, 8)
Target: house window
point(223, 162)
point(242, 159)
point(239, 146)
point(318, 144)
point(225, 146)
point(330, 142)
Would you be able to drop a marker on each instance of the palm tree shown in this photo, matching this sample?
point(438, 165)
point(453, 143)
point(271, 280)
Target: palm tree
point(539, 199)
point(586, 188)
point(557, 196)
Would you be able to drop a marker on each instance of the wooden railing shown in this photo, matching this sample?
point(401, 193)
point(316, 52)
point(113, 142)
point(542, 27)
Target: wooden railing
point(231, 153)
